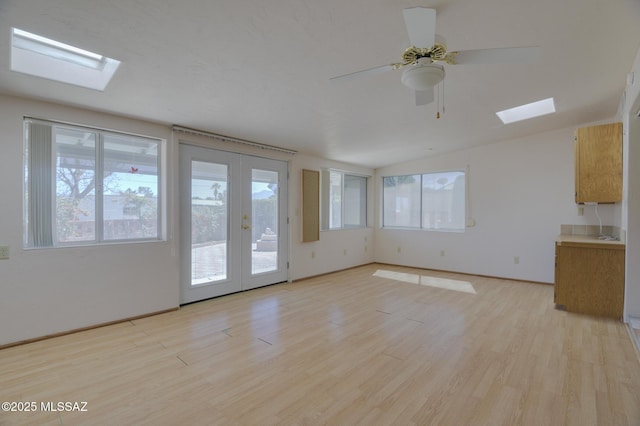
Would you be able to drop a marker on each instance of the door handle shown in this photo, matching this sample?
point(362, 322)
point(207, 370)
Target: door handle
point(245, 226)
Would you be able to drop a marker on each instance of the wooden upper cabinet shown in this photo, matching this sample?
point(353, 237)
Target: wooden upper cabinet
point(598, 157)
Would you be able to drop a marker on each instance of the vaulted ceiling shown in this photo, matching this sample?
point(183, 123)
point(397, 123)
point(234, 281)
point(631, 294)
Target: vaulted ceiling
point(259, 70)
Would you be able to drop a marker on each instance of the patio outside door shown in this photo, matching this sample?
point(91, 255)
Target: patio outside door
point(233, 224)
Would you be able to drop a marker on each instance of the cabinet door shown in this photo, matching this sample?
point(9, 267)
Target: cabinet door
point(590, 280)
point(562, 278)
point(598, 157)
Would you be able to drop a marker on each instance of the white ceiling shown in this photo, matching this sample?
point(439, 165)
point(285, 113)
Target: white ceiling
point(259, 70)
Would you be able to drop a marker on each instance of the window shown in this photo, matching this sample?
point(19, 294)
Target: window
point(344, 200)
point(433, 201)
point(43, 57)
point(88, 186)
point(527, 111)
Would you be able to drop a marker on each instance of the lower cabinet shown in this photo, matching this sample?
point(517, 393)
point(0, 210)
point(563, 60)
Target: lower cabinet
point(589, 278)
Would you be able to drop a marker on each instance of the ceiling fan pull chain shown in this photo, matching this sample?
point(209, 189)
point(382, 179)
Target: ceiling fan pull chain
point(438, 103)
point(443, 107)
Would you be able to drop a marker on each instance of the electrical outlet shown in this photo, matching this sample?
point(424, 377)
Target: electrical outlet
point(313, 254)
point(516, 259)
point(399, 249)
point(441, 252)
point(580, 211)
point(4, 252)
point(344, 252)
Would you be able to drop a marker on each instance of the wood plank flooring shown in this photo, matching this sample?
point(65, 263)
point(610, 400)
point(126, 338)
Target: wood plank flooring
point(374, 345)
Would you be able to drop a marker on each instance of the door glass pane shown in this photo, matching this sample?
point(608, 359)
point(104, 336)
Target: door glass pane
point(264, 238)
point(209, 214)
point(75, 185)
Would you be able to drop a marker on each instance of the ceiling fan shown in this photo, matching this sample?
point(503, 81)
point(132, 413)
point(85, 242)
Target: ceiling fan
point(423, 67)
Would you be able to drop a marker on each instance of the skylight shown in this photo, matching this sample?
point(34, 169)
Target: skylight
point(46, 58)
point(525, 112)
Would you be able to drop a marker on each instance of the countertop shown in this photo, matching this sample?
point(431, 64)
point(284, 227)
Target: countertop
point(580, 240)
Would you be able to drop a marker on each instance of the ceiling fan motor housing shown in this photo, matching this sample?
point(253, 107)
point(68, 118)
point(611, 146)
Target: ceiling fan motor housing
point(422, 76)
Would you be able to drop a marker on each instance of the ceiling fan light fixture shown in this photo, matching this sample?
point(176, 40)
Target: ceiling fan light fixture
point(422, 77)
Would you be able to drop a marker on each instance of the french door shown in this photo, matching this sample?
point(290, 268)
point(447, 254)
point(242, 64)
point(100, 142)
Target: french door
point(233, 224)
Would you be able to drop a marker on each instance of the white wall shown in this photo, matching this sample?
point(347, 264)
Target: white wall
point(327, 254)
point(46, 291)
point(631, 205)
point(520, 192)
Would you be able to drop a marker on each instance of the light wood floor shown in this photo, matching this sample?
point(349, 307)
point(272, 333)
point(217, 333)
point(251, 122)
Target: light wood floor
point(342, 349)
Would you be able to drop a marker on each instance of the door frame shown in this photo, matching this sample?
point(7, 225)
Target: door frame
point(238, 279)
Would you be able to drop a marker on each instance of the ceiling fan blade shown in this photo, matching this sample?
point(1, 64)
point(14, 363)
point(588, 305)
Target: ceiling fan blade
point(370, 71)
point(498, 56)
point(421, 26)
point(424, 97)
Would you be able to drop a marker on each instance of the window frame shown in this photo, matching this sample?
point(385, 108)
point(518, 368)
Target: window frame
point(99, 190)
point(326, 202)
point(39, 56)
point(422, 211)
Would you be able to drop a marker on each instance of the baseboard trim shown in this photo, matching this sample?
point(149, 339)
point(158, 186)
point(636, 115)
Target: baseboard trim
point(631, 325)
point(78, 330)
point(331, 272)
point(465, 273)
point(423, 269)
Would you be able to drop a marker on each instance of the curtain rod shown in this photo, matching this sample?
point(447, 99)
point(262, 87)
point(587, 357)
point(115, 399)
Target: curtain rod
point(222, 138)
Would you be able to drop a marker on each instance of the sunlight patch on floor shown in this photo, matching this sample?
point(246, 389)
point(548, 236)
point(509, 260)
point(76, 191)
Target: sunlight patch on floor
point(444, 283)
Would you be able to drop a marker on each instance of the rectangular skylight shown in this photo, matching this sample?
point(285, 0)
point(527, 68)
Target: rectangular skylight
point(524, 112)
point(43, 57)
